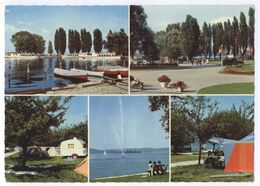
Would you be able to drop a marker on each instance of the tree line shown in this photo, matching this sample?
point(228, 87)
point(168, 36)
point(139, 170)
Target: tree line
point(82, 41)
point(200, 118)
point(187, 39)
point(75, 41)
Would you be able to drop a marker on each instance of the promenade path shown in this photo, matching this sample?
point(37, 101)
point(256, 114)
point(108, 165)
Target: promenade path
point(196, 77)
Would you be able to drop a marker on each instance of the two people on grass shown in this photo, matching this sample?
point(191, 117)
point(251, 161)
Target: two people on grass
point(156, 168)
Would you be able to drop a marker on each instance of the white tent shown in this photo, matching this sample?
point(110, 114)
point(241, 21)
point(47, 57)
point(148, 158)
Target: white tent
point(73, 147)
point(54, 151)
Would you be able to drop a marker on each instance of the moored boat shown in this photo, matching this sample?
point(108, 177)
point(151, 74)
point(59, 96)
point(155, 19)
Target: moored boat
point(113, 71)
point(75, 74)
point(91, 73)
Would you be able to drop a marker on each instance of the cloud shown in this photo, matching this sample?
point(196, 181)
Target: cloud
point(45, 31)
point(10, 28)
point(220, 19)
point(20, 22)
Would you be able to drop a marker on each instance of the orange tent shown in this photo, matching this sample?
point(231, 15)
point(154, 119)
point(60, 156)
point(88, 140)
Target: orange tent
point(241, 158)
point(82, 168)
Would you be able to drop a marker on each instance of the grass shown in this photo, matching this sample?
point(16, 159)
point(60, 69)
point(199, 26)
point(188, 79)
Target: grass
point(199, 173)
point(245, 68)
point(62, 172)
point(233, 88)
point(136, 178)
point(183, 157)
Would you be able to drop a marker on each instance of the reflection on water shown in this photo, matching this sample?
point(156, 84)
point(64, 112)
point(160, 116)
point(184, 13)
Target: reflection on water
point(23, 75)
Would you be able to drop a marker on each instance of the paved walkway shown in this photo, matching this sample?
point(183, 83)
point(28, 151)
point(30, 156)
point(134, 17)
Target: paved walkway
point(196, 78)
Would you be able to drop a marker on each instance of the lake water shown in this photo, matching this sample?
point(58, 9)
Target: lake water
point(114, 165)
point(41, 74)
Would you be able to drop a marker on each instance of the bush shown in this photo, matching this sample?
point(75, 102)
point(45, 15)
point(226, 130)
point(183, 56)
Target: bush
point(231, 62)
point(164, 78)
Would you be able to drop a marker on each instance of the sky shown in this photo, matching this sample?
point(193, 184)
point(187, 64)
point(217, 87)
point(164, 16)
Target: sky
point(226, 102)
point(44, 20)
point(77, 110)
point(160, 16)
point(141, 127)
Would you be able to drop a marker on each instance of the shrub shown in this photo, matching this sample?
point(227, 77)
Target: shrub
point(164, 78)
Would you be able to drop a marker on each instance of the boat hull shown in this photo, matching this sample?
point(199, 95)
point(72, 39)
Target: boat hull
point(75, 75)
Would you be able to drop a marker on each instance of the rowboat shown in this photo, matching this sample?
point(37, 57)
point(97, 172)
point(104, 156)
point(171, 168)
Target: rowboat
point(113, 71)
point(90, 73)
point(71, 74)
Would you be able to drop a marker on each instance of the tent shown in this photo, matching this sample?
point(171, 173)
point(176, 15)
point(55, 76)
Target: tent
point(82, 168)
point(239, 155)
point(54, 151)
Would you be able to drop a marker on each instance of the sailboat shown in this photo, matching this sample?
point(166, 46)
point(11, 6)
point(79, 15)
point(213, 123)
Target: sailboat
point(105, 153)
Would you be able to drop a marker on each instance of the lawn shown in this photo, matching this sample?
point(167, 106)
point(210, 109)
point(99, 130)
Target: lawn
point(183, 157)
point(61, 172)
point(199, 173)
point(233, 88)
point(245, 68)
point(136, 178)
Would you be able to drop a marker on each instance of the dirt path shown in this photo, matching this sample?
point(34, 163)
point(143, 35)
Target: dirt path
point(186, 163)
point(196, 78)
point(8, 154)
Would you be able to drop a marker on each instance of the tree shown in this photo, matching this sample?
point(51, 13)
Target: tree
point(27, 42)
point(157, 103)
point(77, 41)
point(56, 135)
point(71, 42)
point(117, 42)
point(214, 40)
point(89, 42)
point(181, 133)
point(219, 37)
point(98, 41)
point(205, 39)
point(160, 39)
point(141, 36)
point(241, 118)
point(243, 36)
point(30, 117)
point(227, 37)
point(235, 36)
point(173, 43)
point(191, 36)
point(196, 110)
point(86, 41)
point(50, 49)
point(251, 29)
point(60, 41)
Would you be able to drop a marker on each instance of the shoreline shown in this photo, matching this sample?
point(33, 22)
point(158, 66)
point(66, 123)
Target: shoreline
point(94, 87)
point(64, 57)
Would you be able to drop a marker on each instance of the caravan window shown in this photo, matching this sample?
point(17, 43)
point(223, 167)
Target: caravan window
point(70, 146)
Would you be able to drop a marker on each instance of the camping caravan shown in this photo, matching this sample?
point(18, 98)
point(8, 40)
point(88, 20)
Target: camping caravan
point(239, 155)
point(82, 168)
point(73, 148)
point(54, 152)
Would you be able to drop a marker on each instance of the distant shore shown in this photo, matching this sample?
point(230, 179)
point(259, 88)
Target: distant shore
point(63, 57)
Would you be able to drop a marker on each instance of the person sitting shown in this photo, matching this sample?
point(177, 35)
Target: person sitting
point(150, 168)
point(155, 168)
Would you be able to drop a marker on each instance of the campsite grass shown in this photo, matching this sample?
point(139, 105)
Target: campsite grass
point(136, 178)
point(199, 173)
point(62, 172)
point(183, 157)
point(233, 88)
